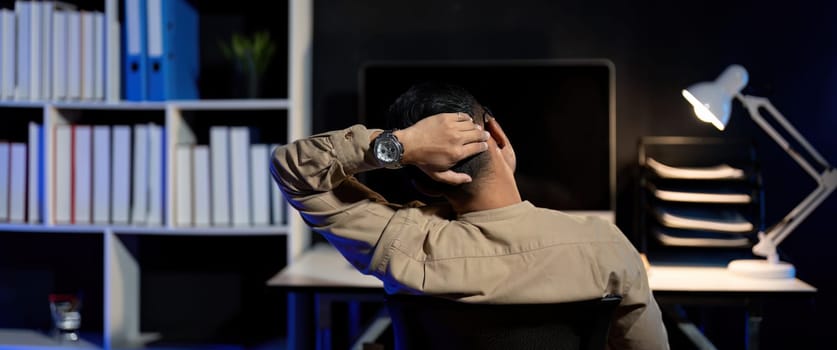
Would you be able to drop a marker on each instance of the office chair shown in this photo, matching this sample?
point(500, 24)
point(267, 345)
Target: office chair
point(425, 322)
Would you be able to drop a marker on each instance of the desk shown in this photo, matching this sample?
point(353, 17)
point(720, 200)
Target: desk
point(674, 286)
point(324, 273)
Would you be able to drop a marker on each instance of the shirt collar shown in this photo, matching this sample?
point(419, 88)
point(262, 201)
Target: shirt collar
point(498, 213)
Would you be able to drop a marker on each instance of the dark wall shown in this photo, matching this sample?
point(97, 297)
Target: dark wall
point(658, 48)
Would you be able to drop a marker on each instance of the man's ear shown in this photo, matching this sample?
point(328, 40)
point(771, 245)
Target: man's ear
point(506, 149)
point(497, 133)
point(426, 189)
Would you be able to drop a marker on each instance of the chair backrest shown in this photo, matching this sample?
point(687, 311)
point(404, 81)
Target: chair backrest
point(425, 322)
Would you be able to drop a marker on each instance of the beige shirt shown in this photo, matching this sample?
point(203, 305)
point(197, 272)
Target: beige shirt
point(516, 254)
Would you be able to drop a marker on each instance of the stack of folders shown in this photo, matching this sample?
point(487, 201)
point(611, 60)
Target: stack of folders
point(14, 192)
point(161, 53)
point(115, 174)
point(22, 179)
point(50, 50)
point(102, 174)
point(227, 183)
point(109, 174)
point(700, 213)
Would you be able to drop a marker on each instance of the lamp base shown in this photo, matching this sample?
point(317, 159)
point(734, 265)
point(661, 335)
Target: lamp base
point(760, 268)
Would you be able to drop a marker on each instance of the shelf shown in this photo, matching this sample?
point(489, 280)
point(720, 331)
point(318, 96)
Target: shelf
point(107, 261)
point(251, 104)
point(40, 228)
point(204, 231)
point(277, 104)
point(86, 105)
point(715, 172)
point(21, 104)
point(19, 339)
point(273, 344)
point(146, 230)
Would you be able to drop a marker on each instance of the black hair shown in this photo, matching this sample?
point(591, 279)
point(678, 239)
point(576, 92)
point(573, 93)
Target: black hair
point(425, 99)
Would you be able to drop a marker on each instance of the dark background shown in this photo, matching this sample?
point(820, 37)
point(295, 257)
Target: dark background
point(658, 48)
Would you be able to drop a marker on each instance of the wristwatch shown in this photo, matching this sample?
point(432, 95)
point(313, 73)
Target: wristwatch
point(387, 150)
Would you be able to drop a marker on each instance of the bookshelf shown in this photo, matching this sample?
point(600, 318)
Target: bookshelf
point(113, 266)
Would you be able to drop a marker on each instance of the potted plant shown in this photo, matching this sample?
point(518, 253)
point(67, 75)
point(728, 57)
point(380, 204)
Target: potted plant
point(250, 57)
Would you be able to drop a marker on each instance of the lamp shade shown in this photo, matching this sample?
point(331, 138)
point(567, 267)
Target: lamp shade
point(712, 101)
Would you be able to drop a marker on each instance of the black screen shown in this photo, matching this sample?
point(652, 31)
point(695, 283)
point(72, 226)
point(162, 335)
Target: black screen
point(557, 115)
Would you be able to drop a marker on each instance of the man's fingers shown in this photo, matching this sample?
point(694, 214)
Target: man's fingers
point(462, 117)
point(450, 177)
point(464, 124)
point(475, 135)
point(474, 148)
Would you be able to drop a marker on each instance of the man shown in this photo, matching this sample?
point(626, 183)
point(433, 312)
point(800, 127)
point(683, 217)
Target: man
point(484, 243)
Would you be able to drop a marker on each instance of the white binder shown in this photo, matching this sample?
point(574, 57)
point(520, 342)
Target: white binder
point(101, 174)
point(219, 147)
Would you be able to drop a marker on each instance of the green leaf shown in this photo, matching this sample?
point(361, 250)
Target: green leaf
point(252, 54)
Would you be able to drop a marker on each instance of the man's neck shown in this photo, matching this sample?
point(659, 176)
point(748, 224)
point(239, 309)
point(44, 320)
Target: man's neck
point(493, 192)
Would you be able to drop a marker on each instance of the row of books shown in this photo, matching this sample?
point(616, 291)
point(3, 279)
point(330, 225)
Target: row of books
point(115, 174)
point(51, 50)
point(109, 174)
point(226, 183)
point(13, 157)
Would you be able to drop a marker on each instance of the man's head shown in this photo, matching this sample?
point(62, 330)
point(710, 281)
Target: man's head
point(427, 99)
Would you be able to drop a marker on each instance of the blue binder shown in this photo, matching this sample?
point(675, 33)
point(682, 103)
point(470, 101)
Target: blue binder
point(173, 62)
point(134, 60)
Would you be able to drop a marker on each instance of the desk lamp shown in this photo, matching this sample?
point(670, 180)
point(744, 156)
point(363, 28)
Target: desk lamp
point(712, 102)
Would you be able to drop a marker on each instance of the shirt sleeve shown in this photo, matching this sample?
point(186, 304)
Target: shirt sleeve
point(315, 175)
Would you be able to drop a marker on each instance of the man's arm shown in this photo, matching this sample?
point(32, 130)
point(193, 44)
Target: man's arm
point(316, 176)
point(638, 320)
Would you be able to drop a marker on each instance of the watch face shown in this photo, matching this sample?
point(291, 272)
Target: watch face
point(387, 151)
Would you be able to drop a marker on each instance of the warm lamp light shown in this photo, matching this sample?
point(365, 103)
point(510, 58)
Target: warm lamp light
point(712, 102)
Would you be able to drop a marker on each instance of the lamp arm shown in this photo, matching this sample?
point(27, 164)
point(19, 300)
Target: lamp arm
point(776, 234)
point(754, 103)
point(827, 180)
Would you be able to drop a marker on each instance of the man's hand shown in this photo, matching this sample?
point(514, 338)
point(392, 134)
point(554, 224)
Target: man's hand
point(438, 142)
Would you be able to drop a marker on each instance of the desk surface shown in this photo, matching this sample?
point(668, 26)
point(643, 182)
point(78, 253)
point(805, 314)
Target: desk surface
point(718, 279)
point(322, 266)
